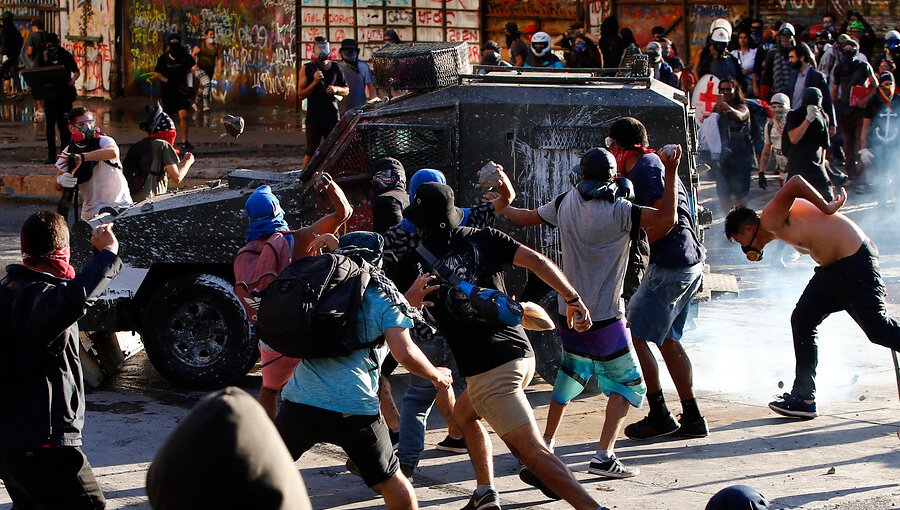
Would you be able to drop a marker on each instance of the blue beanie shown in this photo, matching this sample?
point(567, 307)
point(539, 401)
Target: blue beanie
point(424, 176)
point(265, 213)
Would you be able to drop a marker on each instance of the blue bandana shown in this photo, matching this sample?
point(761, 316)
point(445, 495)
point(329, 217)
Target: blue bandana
point(265, 213)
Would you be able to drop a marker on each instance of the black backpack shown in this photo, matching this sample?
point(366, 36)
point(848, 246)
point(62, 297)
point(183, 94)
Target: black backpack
point(310, 310)
point(137, 163)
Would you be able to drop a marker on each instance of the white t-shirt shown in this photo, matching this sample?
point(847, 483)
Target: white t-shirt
point(747, 59)
point(106, 187)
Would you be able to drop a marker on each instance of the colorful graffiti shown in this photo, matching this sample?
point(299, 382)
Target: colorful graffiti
point(87, 31)
point(255, 37)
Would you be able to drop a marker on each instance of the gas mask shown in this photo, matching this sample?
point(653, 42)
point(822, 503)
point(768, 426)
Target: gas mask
point(322, 60)
point(87, 129)
point(753, 255)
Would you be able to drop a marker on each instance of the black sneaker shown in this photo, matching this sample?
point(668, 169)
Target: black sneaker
point(696, 427)
point(612, 468)
point(793, 407)
point(488, 501)
point(528, 477)
point(452, 445)
point(187, 146)
point(650, 427)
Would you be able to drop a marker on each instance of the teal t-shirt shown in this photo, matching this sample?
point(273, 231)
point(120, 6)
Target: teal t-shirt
point(349, 384)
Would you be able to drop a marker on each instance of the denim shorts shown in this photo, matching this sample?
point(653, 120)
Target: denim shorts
point(659, 308)
point(618, 373)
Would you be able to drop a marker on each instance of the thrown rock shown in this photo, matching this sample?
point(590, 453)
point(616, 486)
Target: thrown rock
point(830, 471)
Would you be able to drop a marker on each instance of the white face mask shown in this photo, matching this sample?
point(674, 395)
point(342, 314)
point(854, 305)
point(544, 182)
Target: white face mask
point(210, 40)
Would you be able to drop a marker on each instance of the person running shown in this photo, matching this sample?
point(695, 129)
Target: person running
point(172, 69)
point(495, 358)
point(847, 278)
point(208, 59)
point(659, 308)
point(596, 225)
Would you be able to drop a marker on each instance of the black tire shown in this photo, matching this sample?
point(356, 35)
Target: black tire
point(547, 346)
point(196, 332)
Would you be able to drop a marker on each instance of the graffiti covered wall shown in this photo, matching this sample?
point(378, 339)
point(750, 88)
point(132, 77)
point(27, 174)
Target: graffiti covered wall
point(255, 37)
point(882, 14)
point(87, 30)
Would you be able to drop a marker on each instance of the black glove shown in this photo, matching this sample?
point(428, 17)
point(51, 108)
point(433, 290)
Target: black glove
point(761, 179)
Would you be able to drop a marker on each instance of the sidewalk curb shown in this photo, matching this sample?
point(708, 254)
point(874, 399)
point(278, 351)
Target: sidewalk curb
point(28, 186)
point(43, 187)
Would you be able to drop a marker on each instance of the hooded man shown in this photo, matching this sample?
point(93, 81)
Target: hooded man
point(777, 68)
point(41, 462)
point(358, 76)
point(495, 358)
point(662, 71)
point(772, 140)
point(825, 54)
point(323, 85)
point(847, 277)
point(163, 158)
point(805, 141)
point(540, 54)
point(172, 69)
point(57, 105)
point(266, 217)
point(389, 181)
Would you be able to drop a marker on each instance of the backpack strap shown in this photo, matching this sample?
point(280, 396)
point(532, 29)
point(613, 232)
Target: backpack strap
point(635, 223)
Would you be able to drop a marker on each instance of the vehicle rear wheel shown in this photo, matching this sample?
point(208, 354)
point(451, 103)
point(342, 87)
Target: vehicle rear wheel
point(196, 332)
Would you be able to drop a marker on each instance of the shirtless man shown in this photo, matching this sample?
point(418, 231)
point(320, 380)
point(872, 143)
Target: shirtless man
point(847, 278)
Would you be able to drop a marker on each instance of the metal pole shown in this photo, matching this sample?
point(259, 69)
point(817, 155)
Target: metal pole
point(297, 55)
point(896, 370)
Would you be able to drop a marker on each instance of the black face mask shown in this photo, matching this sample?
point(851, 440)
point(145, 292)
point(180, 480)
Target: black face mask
point(753, 255)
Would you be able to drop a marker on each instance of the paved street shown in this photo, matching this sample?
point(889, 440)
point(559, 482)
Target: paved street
point(742, 353)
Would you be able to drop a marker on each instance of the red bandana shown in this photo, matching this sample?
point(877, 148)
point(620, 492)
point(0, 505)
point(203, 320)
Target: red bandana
point(168, 135)
point(57, 261)
point(622, 157)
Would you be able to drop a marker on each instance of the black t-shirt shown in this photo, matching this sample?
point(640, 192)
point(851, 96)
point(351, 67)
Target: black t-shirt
point(59, 56)
point(804, 157)
point(477, 255)
point(175, 70)
point(321, 106)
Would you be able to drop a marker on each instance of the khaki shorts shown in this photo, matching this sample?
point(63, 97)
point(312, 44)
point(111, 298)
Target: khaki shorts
point(498, 395)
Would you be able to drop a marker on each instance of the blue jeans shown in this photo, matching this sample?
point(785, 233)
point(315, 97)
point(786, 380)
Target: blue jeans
point(419, 399)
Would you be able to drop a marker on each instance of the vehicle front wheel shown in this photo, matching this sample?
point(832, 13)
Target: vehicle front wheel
point(196, 332)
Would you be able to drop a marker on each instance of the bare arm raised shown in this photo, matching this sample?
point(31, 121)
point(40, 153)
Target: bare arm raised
point(778, 210)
